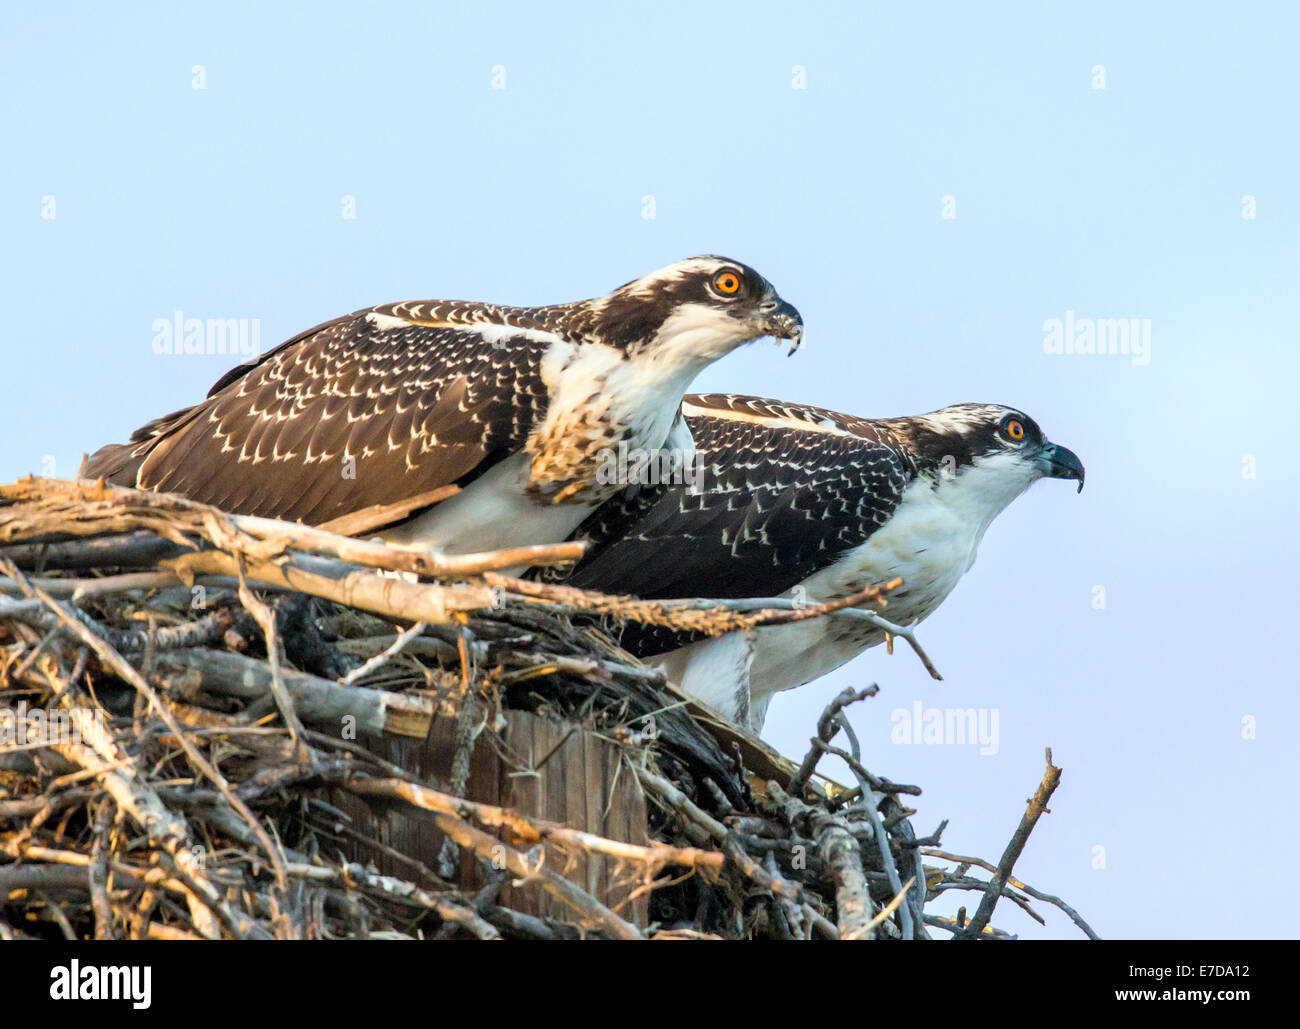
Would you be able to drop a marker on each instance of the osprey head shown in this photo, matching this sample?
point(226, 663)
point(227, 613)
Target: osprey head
point(694, 312)
point(993, 452)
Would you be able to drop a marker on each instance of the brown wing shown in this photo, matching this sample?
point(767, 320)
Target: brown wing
point(359, 411)
point(787, 489)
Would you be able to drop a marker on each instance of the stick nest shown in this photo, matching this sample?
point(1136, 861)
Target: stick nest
point(185, 695)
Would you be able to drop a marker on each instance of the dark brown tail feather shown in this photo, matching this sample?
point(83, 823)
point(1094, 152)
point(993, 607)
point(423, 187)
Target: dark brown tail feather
point(115, 463)
point(119, 463)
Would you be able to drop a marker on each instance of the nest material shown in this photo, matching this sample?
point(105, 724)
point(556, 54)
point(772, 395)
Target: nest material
point(177, 687)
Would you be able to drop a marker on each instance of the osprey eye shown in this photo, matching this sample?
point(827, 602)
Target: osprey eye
point(1015, 430)
point(727, 282)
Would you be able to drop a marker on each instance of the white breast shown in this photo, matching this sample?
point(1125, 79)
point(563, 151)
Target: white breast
point(492, 513)
point(715, 671)
point(640, 396)
point(637, 398)
point(930, 543)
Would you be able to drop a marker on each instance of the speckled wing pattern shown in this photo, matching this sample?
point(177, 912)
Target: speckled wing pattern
point(787, 489)
point(419, 394)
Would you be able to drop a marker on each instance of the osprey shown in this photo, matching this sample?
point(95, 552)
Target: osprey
point(515, 405)
point(806, 503)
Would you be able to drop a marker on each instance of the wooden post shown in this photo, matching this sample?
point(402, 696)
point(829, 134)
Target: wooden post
point(542, 768)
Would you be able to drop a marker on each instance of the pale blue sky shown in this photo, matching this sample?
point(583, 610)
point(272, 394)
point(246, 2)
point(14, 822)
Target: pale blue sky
point(1125, 202)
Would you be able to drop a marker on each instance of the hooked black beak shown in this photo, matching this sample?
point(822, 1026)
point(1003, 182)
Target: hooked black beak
point(781, 320)
point(1063, 463)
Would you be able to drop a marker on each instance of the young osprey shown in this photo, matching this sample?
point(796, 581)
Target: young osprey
point(798, 498)
point(516, 405)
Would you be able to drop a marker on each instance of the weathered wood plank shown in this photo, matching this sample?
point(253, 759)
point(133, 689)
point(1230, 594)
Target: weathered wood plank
point(544, 769)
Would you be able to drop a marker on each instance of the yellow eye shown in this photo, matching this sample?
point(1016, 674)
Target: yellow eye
point(1015, 430)
point(727, 283)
